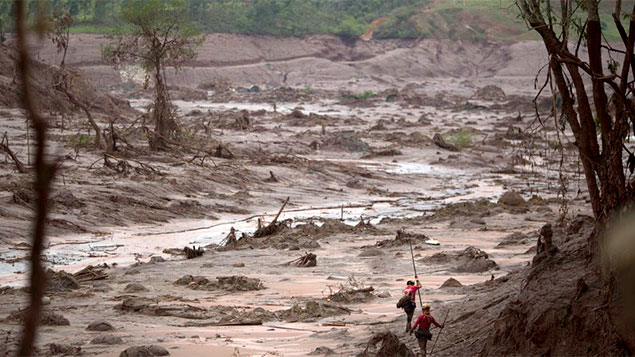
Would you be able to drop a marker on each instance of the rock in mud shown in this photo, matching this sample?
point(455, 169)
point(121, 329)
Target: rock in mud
point(100, 325)
point(322, 351)
point(386, 344)
point(59, 349)
point(474, 260)
point(226, 283)
point(59, 281)
point(144, 351)
point(511, 198)
point(491, 93)
point(451, 283)
point(135, 288)
point(370, 252)
point(440, 142)
point(515, 238)
point(106, 340)
point(156, 259)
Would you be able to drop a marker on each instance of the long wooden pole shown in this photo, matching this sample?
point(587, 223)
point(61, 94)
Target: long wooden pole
point(439, 334)
point(412, 254)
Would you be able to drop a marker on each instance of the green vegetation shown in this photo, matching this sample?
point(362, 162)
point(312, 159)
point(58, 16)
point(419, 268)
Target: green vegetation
point(80, 141)
point(362, 96)
point(474, 20)
point(461, 139)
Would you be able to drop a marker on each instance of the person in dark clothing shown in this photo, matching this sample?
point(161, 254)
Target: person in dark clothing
point(423, 323)
point(411, 289)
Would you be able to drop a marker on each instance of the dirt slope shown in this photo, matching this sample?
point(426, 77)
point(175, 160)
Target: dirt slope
point(326, 61)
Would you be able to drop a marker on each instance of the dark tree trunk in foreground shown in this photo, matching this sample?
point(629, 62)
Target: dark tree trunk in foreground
point(44, 173)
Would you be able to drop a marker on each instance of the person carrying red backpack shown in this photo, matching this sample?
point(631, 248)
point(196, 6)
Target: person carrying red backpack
point(410, 306)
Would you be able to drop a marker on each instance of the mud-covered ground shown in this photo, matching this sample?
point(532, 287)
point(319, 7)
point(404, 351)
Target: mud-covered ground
point(340, 157)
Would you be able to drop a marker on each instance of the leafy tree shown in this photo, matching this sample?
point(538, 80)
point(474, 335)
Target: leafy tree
point(157, 34)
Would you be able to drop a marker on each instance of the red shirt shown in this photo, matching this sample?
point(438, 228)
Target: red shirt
point(412, 290)
point(424, 321)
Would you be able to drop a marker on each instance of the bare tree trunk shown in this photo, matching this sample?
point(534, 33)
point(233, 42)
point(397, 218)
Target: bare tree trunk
point(44, 173)
point(163, 121)
point(82, 106)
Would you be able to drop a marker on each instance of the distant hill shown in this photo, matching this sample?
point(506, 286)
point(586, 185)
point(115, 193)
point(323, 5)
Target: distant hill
point(380, 19)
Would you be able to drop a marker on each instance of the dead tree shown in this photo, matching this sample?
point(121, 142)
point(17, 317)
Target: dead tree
point(65, 84)
point(44, 175)
point(4, 146)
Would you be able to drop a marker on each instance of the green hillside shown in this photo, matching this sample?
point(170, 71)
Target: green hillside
point(438, 19)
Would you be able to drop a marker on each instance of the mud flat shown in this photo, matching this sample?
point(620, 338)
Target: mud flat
point(354, 171)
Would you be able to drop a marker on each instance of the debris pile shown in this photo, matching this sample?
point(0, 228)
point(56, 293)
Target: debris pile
point(47, 318)
point(352, 295)
point(345, 141)
point(59, 281)
point(194, 252)
point(312, 311)
point(92, 273)
point(402, 237)
point(225, 283)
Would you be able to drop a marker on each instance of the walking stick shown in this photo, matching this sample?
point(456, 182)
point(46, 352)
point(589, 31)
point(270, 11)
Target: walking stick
point(412, 254)
point(439, 334)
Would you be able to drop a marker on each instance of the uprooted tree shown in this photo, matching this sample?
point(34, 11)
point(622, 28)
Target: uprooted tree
point(601, 120)
point(157, 34)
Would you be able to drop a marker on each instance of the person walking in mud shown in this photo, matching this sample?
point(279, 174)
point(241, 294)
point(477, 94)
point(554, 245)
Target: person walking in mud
point(421, 328)
point(410, 306)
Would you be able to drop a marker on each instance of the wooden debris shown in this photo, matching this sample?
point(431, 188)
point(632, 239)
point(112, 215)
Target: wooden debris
point(272, 178)
point(91, 273)
point(272, 227)
point(191, 253)
point(307, 260)
point(230, 240)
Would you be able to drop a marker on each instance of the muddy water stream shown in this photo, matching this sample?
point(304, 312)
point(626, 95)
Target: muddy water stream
point(123, 244)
